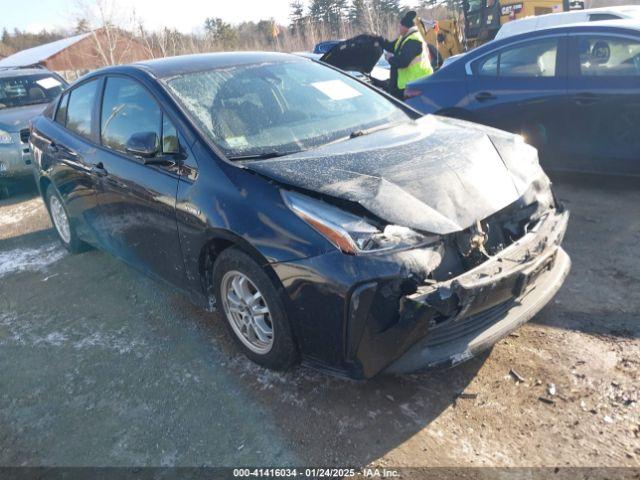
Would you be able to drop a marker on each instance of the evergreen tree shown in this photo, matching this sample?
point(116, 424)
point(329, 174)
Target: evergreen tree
point(329, 12)
point(296, 16)
point(359, 14)
point(387, 7)
point(220, 32)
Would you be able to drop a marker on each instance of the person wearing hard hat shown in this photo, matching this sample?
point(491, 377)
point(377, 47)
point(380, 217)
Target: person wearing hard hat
point(408, 56)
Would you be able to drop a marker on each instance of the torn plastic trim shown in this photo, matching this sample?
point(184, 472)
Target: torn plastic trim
point(488, 290)
point(494, 325)
point(506, 274)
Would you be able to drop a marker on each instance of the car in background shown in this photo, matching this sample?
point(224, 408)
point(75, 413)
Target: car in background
point(381, 70)
point(327, 222)
point(323, 47)
point(571, 91)
point(24, 93)
point(531, 24)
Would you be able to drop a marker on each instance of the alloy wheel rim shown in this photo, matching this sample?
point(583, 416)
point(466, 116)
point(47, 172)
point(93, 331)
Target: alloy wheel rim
point(247, 312)
point(60, 220)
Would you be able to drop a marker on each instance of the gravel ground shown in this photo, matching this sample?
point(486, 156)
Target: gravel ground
point(101, 366)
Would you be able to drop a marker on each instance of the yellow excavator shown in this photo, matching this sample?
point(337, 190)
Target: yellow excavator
point(482, 20)
point(444, 38)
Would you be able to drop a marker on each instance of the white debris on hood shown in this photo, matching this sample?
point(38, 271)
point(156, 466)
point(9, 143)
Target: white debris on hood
point(31, 259)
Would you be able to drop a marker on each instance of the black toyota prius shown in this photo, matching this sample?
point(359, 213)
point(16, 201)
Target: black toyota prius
point(326, 222)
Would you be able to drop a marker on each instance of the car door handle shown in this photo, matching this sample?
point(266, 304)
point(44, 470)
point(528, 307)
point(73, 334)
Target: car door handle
point(99, 170)
point(484, 96)
point(585, 98)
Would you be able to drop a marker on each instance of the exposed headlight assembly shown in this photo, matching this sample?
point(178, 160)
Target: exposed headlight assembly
point(350, 233)
point(5, 138)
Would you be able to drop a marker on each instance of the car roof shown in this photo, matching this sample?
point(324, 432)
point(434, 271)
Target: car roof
point(623, 23)
point(563, 18)
point(600, 26)
point(171, 66)
point(22, 72)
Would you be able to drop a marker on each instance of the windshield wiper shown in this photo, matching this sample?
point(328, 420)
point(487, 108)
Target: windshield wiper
point(367, 131)
point(262, 155)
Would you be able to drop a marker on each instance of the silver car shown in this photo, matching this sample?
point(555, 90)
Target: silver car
point(24, 93)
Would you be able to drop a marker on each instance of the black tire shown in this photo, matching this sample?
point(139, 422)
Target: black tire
point(283, 352)
point(73, 244)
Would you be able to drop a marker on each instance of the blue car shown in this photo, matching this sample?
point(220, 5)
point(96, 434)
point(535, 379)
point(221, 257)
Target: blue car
point(573, 92)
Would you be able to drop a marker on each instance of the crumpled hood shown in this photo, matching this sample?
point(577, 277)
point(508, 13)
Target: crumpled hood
point(17, 118)
point(435, 175)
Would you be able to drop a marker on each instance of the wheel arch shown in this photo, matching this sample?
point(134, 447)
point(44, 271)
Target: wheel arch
point(221, 240)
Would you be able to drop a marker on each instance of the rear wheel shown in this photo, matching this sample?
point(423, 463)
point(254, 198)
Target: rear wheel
point(61, 222)
point(253, 309)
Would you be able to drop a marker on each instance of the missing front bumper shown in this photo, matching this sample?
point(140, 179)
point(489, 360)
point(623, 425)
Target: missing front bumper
point(450, 321)
point(453, 343)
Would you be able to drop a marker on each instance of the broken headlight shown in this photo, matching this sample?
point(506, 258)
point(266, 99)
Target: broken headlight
point(350, 233)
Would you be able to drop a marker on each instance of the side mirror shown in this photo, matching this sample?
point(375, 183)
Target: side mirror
point(143, 144)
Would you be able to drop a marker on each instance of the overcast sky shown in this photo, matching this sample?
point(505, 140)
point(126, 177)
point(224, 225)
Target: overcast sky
point(185, 15)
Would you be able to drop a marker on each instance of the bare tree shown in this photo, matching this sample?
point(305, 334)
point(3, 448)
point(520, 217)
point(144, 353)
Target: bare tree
point(109, 28)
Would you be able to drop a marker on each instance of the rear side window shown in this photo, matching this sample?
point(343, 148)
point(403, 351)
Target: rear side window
point(61, 114)
point(533, 59)
point(601, 56)
point(80, 108)
point(127, 108)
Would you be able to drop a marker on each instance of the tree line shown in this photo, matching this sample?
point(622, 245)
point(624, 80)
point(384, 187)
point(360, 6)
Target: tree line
point(309, 22)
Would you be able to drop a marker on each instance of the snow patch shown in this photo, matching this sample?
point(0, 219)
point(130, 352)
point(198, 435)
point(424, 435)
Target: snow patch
point(32, 259)
point(17, 213)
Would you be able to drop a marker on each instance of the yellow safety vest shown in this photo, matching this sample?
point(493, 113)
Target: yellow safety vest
point(419, 66)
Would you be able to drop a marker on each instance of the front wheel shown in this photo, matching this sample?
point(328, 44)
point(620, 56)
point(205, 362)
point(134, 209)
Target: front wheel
point(61, 222)
point(253, 309)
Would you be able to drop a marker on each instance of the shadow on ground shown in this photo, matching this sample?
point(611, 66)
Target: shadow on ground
point(101, 366)
point(128, 372)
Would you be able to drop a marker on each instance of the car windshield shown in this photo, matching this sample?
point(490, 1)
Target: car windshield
point(279, 108)
point(28, 90)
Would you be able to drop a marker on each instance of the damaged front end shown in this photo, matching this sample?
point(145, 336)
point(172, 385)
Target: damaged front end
point(452, 239)
point(479, 292)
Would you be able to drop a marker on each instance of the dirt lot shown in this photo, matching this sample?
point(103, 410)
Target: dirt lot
point(101, 366)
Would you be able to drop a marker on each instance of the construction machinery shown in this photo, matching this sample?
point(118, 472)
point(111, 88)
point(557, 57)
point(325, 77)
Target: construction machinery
point(483, 18)
point(443, 37)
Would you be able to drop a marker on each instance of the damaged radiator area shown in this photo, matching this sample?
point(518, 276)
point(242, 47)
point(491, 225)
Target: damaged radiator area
point(440, 305)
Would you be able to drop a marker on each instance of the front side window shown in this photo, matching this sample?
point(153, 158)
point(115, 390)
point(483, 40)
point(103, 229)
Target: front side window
point(61, 114)
point(534, 59)
point(28, 90)
point(278, 108)
point(601, 56)
point(80, 108)
point(127, 108)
